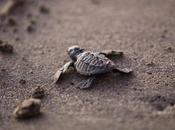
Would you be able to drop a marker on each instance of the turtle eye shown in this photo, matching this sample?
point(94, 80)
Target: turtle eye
point(71, 50)
point(76, 49)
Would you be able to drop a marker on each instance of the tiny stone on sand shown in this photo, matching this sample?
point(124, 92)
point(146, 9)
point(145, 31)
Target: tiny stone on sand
point(5, 47)
point(38, 92)
point(28, 108)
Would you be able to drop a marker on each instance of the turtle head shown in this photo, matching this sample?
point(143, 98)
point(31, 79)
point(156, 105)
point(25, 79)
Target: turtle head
point(74, 51)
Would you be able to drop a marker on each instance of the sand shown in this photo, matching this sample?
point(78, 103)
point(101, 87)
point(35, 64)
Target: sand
point(143, 29)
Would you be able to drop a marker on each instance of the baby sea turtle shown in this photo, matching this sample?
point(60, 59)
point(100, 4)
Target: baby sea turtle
point(90, 64)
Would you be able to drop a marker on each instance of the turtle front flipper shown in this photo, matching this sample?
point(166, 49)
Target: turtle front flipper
point(86, 83)
point(112, 53)
point(62, 70)
point(122, 71)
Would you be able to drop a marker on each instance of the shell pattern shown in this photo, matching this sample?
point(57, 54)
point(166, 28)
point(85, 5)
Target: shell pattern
point(89, 63)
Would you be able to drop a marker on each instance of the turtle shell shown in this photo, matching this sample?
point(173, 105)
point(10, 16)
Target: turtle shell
point(89, 63)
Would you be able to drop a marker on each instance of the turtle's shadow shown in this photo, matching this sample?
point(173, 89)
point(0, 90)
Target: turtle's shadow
point(112, 81)
point(32, 119)
point(102, 82)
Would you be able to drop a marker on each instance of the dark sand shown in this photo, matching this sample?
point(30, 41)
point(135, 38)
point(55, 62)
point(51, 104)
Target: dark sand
point(143, 29)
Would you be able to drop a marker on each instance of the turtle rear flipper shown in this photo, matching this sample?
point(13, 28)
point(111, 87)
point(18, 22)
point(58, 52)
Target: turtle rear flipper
point(122, 70)
point(112, 53)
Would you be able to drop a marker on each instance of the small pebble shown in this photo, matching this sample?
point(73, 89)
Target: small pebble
point(44, 10)
point(12, 22)
point(5, 47)
point(22, 81)
point(38, 92)
point(3, 70)
point(30, 28)
point(169, 49)
point(149, 72)
point(17, 39)
point(28, 108)
point(71, 83)
point(150, 63)
point(33, 22)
